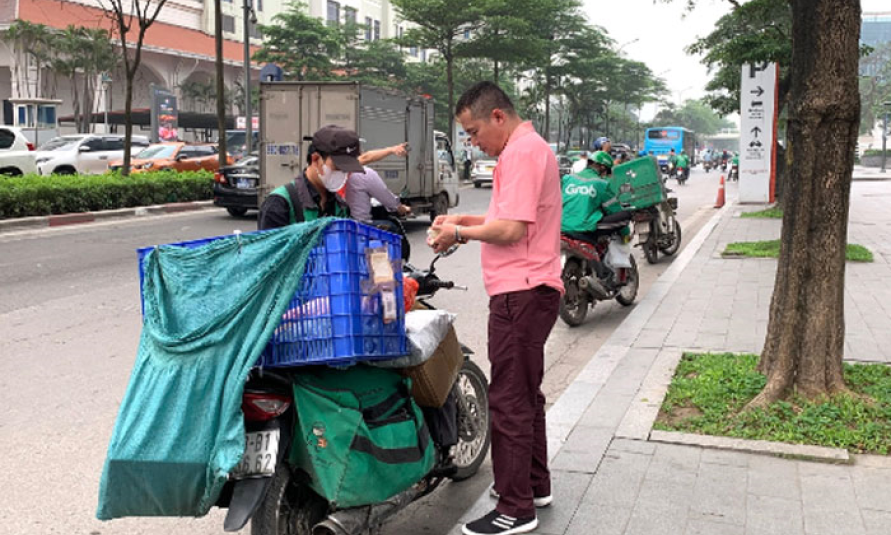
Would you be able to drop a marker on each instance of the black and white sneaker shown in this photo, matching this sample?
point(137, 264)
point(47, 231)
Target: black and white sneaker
point(496, 523)
point(538, 501)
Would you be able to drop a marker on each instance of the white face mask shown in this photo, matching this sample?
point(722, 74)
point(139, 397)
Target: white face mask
point(333, 180)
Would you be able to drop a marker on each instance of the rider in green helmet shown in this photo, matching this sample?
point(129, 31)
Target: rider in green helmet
point(587, 195)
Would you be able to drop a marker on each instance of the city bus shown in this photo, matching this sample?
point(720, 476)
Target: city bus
point(659, 141)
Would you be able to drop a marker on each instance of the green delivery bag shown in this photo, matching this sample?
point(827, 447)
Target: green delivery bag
point(359, 434)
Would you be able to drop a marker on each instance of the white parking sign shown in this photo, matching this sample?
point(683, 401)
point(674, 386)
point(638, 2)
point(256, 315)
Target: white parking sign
point(758, 109)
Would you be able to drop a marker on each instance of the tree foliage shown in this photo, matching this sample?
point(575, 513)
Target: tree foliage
point(695, 115)
point(753, 32)
point(303, 46)
point(875, 86)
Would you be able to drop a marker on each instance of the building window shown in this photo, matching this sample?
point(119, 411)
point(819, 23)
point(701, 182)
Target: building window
point(259, 4)
point(377, 30)
point(228, 24)
point(349, 15)
point(368, 24)
point(333, 13)
point(255, 32)
point(424, 55)
point(413, 51)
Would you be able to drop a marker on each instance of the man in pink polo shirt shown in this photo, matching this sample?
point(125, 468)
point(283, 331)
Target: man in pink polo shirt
point(520, 237)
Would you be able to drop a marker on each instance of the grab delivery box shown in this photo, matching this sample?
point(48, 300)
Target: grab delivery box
point(638, 183)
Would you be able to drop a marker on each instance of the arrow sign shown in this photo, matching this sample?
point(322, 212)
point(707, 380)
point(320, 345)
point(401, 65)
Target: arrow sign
point(758, 92)
point(756, 131)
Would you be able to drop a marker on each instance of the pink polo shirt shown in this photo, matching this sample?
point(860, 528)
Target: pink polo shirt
point(525, 187)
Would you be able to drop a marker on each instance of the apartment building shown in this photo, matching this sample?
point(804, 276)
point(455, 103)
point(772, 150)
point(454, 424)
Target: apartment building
point(178, 50)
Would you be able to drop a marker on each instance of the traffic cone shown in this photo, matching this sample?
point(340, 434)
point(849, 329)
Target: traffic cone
point(719, 203)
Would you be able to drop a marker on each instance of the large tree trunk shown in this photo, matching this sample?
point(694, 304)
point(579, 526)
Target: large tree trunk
point(546, 130)
point(805, 337)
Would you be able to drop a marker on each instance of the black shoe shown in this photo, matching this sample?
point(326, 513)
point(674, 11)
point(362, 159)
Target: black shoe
point(496, 523)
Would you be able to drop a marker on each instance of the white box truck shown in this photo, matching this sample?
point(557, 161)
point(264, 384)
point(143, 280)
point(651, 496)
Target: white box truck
point(290, 112)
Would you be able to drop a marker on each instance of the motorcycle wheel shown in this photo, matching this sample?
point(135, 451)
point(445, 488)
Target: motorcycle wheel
point(290, 506)
point(474, 437)
point(650, 247)
point(574, 304)
point(675, 237)
point(628, 293)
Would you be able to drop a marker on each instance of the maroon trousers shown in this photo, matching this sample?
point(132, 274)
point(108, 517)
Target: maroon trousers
point(519, 325)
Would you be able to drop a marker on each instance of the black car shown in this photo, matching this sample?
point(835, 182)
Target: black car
point(235, 186)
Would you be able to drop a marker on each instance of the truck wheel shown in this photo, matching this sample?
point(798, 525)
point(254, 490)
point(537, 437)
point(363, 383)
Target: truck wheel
point(440, 206)
point(477, 185)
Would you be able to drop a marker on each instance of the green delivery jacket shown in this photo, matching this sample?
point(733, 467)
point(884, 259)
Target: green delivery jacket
point(583, 196)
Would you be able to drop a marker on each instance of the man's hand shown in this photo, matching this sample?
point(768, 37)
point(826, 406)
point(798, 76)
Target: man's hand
point(445, 238)
point(400, 150)
point(446, 219)
point(403, 210)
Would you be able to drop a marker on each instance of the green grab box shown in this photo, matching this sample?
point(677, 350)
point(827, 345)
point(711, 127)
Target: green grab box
point(638, 183)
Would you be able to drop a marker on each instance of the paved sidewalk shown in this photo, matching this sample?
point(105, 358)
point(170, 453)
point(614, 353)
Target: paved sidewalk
point(610, 480)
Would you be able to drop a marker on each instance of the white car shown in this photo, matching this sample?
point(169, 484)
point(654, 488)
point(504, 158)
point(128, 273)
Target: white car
point(482, 172)
point(83, 153)
point(16, 152)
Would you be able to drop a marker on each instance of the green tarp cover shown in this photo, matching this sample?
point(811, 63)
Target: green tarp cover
point(209, 312)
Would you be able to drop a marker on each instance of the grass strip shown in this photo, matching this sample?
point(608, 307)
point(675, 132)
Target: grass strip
point(709, 391)
point(771, 249)
point(773, 212)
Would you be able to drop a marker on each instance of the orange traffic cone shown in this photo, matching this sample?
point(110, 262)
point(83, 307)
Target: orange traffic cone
point(719, 203)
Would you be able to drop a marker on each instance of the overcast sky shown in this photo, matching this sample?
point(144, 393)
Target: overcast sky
point(658, 33)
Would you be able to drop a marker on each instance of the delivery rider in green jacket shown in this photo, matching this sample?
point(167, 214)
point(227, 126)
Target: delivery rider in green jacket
point(588, 197)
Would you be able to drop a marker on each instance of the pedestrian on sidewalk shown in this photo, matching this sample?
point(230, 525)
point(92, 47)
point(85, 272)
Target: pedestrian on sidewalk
point(520, 259)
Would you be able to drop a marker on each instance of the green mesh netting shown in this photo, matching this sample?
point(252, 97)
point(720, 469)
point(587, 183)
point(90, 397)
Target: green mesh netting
point(209, 312)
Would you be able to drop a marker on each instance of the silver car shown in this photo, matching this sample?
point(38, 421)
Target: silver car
point(483, 171)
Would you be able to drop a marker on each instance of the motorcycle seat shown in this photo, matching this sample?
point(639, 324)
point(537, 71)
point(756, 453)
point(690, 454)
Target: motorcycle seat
point(617, 221)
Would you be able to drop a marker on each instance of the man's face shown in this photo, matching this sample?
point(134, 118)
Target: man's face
point(488, 133)
point(608, 146)
point(319, 163)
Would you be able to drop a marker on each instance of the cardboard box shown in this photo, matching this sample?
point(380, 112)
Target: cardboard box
point(432, 381)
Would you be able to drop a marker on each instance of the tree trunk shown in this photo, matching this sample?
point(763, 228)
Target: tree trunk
point(546, 130)
point(805, 337)
point(496, 72)
point(221, 101)
point(128, 120)
point(450, 82)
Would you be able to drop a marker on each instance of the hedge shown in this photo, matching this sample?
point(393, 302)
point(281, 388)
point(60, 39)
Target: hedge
point(35, 195)
point(875, 152)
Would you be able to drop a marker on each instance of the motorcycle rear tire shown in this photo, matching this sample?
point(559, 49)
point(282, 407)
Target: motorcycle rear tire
point(650, 247)
point(628, 293)
point(573, 314)
point(290, 506)
point(676, 241)
point(476, 379)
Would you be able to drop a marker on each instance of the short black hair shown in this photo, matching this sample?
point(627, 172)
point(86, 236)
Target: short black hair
point(482, 98)
point(313, 150)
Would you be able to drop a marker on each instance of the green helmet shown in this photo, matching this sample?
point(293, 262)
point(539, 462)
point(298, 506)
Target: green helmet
point(603, 159)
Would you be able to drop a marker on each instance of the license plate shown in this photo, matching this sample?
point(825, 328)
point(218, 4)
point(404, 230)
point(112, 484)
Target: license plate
point(489, 168)
point(244, 183)
point(260, 453)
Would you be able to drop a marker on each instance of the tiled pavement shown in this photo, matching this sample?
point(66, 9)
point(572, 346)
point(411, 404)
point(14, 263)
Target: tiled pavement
point(609, 485)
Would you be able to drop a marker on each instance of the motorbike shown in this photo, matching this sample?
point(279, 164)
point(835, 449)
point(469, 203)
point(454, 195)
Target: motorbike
point(390, 222)
point(708, 166)
point(658, 229)
point(734, 172)
point(276, 497)
point(681, 173)
point(589, 277)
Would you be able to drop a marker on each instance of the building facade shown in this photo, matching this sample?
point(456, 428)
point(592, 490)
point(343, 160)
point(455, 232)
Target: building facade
point(178, 51)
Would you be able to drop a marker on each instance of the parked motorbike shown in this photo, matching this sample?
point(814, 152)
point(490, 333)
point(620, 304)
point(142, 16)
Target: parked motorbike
point(277, 498)
point(658, 229)
point(592, 272)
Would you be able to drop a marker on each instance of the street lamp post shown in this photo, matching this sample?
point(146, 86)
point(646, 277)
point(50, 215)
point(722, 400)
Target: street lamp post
point(249, 17)
point(106, 83)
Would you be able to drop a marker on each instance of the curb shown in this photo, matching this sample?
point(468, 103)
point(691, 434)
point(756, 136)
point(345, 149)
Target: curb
point(60, 220)
point(763, 447)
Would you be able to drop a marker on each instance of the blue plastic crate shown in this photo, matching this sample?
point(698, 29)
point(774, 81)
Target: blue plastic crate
point(330, 320)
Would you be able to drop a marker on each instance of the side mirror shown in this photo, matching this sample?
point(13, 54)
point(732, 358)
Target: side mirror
point(84, 148)
point(181, 157)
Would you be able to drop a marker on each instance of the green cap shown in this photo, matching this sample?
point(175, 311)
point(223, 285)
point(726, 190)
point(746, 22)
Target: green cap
point(603, 159)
